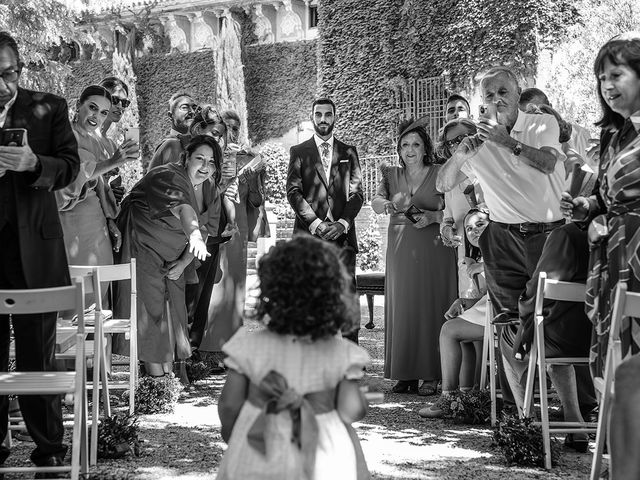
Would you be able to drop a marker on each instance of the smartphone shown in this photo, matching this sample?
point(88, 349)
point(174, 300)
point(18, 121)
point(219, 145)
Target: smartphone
point(115, 181)
point(13, 137)
point(488, 111)
point(132, 133)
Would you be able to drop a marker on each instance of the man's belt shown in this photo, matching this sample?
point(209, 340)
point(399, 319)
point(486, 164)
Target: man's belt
point(532, 227)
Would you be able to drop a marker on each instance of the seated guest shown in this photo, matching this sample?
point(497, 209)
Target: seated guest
point(465, 322)
point(420, 280)
point(165, 221)
point(565, 257)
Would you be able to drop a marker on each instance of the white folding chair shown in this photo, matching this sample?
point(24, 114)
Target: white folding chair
point(560, 291)
point(625, 304)
point(45, 300)
point(489, 360)
point(95, 277)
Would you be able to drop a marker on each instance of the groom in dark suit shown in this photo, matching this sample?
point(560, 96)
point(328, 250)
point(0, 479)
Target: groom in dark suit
point(324, 188)
point(32, 253)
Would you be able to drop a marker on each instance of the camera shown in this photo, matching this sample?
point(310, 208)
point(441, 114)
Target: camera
point(13, 137)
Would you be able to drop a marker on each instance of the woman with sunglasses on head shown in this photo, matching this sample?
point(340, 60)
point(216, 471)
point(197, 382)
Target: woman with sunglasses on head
point(82, 215)
point(165, 220)
point(109, 188)
point(458, 200)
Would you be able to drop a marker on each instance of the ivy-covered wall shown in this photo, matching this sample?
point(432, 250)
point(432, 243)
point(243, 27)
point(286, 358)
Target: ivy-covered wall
point(280, 82)
point(83, 74)
point(159, 77)
point(364, 51)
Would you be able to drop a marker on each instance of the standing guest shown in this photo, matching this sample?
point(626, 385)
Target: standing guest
point(518, 160)
point(420, 278)
point(83, 219)
point(324, 189)
point(296, 368)
point(465, 323)
point(33, 252)
point(182, 109)
point(613, 233)
point(165, 222)
point(226, 307)
point(119, 103)
point(575, 139)
point(457, 201)
point(457, 107)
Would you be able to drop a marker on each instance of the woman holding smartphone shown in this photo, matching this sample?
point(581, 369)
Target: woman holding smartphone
point(420, 277)
point(82, 216)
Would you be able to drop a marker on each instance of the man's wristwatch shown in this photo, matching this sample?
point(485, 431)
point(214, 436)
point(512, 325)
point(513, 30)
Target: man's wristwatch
point(517, 149)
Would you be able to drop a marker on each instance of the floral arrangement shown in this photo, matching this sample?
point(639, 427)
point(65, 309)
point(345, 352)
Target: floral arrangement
point(118, 436)
point(521, 442)
point(369, 258)
point(471, 408)
point(157, 394)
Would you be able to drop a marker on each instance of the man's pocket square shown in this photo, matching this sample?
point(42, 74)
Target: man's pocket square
point(344, 161)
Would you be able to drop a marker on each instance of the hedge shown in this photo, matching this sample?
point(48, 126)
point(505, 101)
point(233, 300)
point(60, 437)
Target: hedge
point(84, 73)
point(159, 77)
point(363, 51)
point(280, 83)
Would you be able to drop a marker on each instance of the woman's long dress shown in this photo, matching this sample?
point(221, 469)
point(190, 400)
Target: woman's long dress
point(226, 307)
point(86, 237)
point(420, 280)
point(155, 238)
point(616, 256)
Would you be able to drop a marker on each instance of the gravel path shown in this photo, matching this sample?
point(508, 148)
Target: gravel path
point(397, 443)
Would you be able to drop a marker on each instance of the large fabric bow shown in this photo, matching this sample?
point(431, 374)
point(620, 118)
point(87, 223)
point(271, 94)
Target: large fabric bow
point(273, 395)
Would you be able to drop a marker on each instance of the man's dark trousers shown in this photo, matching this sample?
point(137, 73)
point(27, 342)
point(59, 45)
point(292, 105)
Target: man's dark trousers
point(34, 335)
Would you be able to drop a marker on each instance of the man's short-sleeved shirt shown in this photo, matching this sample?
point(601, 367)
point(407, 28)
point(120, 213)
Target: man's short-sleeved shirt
point(514, 191)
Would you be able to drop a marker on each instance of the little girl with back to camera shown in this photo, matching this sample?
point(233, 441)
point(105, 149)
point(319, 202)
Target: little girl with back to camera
point(292, 389)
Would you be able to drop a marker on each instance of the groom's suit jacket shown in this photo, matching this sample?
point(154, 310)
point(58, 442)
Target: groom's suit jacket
point(312, 196)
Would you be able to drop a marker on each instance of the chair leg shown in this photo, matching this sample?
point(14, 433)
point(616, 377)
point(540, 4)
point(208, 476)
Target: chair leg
point(527, 409)
point(603, 419)
point(106, 402)
point(485, 355)
point(492, 375)
point(133, 370)
point(544, 407)
point(95, 397)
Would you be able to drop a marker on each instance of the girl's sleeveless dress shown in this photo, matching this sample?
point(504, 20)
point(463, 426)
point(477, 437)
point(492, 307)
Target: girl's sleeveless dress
point(307, 367)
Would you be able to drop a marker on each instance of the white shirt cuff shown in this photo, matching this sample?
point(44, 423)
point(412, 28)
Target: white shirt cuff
point(314, 226)
point(345, 224)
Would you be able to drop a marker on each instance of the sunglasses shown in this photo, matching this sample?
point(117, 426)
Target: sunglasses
point(456, 141)
point(122, 101)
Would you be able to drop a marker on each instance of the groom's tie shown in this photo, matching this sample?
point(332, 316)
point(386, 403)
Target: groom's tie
point(325, 157)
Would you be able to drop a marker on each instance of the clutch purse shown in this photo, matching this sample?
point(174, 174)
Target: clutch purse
point(411, 213)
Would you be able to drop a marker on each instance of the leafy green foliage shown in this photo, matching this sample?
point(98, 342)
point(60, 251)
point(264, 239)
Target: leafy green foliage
point(277, 161)
point(157, 395)
point(38, 25)
point(363, 52)
point(521, 442)
point(471, 408)
point(369, 257)
point(280, 81)
point(159, 77)
point(118, 436)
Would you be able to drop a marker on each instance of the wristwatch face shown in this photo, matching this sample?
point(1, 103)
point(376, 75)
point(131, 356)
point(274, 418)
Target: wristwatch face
point(517, 149)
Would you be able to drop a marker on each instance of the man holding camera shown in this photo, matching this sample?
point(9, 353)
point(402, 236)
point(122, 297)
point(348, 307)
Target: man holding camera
point(42, 157)
point(518, 161)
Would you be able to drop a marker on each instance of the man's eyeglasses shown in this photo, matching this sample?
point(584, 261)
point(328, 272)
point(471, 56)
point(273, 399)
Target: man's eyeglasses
point(454, 142)
point(122, 101)
point(10, 76)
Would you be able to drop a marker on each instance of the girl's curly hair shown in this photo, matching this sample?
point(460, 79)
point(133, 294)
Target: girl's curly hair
point(305, 289)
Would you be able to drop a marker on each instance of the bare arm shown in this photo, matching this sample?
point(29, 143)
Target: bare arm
point(350, 403)
point(189, 221)
point(232, 398)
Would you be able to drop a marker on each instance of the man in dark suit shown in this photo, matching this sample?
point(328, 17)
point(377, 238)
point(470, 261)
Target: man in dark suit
point(32, 253)
point(324, 188)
